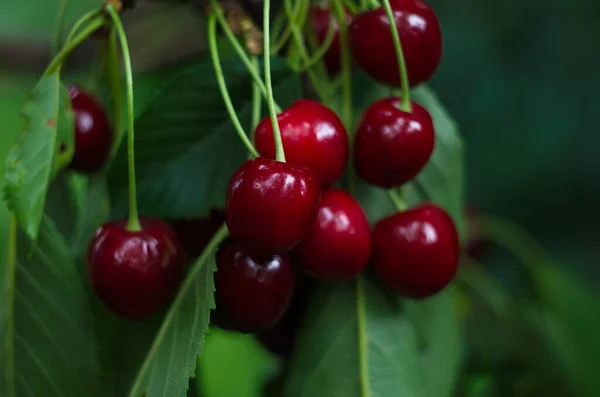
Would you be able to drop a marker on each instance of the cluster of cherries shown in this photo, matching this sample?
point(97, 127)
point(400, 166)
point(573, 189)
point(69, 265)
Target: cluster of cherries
point(287, 215)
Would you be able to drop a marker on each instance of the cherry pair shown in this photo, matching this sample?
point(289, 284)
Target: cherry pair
point(133, 272)
point(372, 44)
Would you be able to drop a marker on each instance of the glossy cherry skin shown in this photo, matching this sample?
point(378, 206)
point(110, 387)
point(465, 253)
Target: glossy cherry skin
point(135, 273)
point(339, 244)
point(373, 46)
point(416, 252)
point(93, 132)
point(195, 233)
point(252, 291)
point(270, 205)
point(280, 338)
point(321, 19)
point(312, 135)
point(391, 145)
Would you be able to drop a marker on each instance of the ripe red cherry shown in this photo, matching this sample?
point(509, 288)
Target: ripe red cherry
point(271, 205)
point(373, 46)
point(339, 243)
point(280, 338)
point(322, 19)
point(252, 292)
point(415, 252)
point(135, 273)
point(93, 132)
point(195, 233)
point(391, 145)
point(312, 135)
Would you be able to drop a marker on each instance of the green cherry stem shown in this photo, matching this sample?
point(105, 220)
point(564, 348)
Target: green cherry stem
point(397, 200)
point(323, 48)
point(256, 101)
point(60, 24)
point(133, 224)
point(95, 20)
point(405, 104)
point(340, 15)
point(214, 54)
point(279, 152)
point(252, 69)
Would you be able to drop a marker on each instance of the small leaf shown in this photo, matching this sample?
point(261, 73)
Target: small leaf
point(171, 360)
point(355, 343)
point(48, 344)
point(32, 162)
point(186, 147)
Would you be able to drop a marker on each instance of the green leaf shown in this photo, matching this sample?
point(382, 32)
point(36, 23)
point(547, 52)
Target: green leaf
point(439, 329)
point(186, 147)
point(442, 180)
point(171, 360)
point(48, 343)
point(355, 342)
point(572, 325)
point(32, 162)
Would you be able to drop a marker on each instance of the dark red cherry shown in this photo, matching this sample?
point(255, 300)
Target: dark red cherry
point(373, 46)
point(252, 291)
point(280, 338)
point(322, 19)
point(339, 244)
point(391, 145)
point(93, 132)
point(135, 273)
point(195, 233)
point(415, 252)
point(312, 135)
point(271, 205)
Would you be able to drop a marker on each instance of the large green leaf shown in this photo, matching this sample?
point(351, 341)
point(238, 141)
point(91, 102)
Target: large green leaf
point(356, 342)
point(31, 164)
point(186, 146)
point(439, 329)
point(48, 343)
point(572, 325)
point(171, 360)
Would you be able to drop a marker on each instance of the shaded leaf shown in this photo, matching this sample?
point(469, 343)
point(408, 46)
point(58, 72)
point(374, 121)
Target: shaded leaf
point(171, 360)
point(32, 162)
point(439, 329)
point(355, 342)
point(46, 332)
point(186, 146)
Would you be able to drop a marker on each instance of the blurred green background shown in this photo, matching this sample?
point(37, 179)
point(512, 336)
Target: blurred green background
point(520, 77)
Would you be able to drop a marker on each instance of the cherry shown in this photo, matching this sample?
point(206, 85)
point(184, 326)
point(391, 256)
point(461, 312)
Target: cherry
point(392, 146)
point(373, 46)
point(195, 233)
point(271, 205)
point(280, 338)
point(252, 292)
point(339, 243)
point(135, 273)
point(322, 19)
point(415, 252)
point(312, 135)
point(93, 132)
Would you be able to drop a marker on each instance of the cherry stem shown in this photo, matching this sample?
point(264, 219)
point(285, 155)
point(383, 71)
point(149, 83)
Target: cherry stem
point(60, 24)
point(256, 101)
point(323, 48)
point(95, 20)
point(133, 224)
point(351, 6)
point(279, 152)
point(295, 17)
point(346, 64)
point(362, 337)
point(405, 104)
point(214, 54)
point(253, 69)
point(397, 200)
